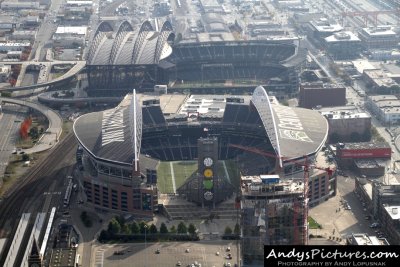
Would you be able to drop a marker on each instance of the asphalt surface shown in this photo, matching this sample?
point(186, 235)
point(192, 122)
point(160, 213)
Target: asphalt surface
point(338, 222)
point(171, 253)
point(9, 126)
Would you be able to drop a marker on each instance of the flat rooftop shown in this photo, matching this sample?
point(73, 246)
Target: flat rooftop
point(393, 212)
point(336, 115)
point(379, 31)
point(377, 98)
point(344, 36)
point(367, 240)
point(365, 145)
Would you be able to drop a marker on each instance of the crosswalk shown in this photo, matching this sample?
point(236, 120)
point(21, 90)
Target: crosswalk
point(99, 258)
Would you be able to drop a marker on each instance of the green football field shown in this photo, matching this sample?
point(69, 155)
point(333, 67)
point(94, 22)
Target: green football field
point(182, 170)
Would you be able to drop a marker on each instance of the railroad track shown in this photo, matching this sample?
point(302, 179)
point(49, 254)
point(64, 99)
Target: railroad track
point(24, 193)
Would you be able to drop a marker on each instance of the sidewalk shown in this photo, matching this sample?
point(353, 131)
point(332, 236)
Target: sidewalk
point(327, 214)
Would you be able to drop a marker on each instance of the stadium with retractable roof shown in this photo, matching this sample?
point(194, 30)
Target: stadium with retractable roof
point(121, 148)
point(125, 57)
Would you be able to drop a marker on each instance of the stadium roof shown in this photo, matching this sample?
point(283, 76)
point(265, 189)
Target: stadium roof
point(114, 134)
point(127, 46)
point(111, 135)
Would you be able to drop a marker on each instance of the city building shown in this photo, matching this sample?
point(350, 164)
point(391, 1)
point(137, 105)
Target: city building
point(30, 22)
point(5, 72)
point(386, 108)
point(347, 153)
point(319, 29)
point(211, 6)
point(380, 37)
point(321, 94)
point(7, 24)
point(362, 239)
point(370, 167)
point(70, 36)
point(23, 35)
point(385, 208)
point(343, 45)
point(5, 47)
point(379, 82)
point(14, 5)
point(272, 214)
point(321, 184)
point(346, 126)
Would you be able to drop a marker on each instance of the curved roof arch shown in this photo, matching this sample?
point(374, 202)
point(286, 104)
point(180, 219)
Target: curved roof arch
point(101, 31)
point(124, 28)
point(166, 34)
point(144, 30)
point(135, 123)
point(263, 105)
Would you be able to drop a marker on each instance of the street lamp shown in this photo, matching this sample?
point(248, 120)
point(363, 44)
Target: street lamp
point(145, 245)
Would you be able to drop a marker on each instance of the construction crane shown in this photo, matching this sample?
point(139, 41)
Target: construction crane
point(367, 14)
point(306, 175)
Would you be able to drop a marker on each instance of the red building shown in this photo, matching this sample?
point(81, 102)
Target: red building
point(364, 151)
point(363, 157)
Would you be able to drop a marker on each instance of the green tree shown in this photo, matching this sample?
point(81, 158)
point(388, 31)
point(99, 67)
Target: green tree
point(25, 157)
point(126, 229)
point(173, 229)
point(104, 236)
point(121, 220)
point(153, 229)
point(192, 229)
point(163, 229)
point(114, 227)
point(228, 231)
point(182, 229)
point(34, 133)
point(236, 230)
point(135, 228)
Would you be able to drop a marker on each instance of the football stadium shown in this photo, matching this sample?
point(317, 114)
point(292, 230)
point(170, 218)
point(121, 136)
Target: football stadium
point(122, 57)
point(194, 145)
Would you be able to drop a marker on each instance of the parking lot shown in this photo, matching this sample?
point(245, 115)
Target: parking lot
point(203, 254)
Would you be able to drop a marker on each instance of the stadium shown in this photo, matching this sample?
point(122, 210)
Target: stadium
point(123, 58)
point(125, 152)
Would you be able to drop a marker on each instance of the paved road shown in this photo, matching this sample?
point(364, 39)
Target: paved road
point(51, 135)
point(9, 125)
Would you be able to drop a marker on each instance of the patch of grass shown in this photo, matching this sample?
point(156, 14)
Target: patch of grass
point(164, 181)
point(233, 171)
point(183, 170)
point(66, 128)
point(313, 223)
